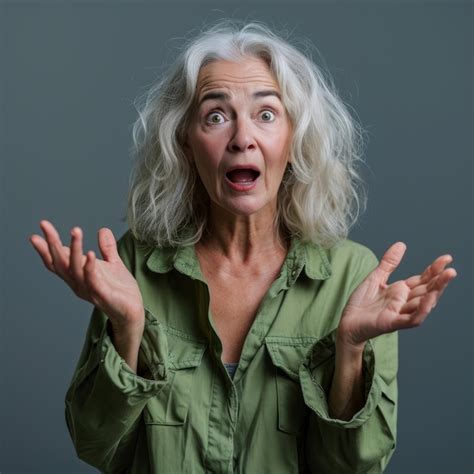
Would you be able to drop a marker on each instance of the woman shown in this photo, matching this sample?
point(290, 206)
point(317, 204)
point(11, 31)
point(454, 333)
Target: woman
point(235, 327)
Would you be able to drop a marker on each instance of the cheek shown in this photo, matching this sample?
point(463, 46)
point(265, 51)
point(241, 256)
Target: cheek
point(279, 150)
point(210, 149)
point(209, 146)
point(207, 163)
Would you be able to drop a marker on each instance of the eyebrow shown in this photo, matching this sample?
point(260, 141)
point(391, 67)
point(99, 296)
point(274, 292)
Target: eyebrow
point(224, 96)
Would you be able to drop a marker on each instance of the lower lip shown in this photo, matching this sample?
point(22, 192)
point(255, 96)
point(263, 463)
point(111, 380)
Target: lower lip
point(240, 186)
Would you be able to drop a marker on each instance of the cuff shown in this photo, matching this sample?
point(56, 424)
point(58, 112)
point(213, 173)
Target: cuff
point(152, 362)
point(316, 373)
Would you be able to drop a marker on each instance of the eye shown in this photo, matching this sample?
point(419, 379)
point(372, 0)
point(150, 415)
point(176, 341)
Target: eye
point(213, 118)
point(267, 115)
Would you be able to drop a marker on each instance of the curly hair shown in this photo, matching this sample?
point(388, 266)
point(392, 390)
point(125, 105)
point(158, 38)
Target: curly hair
point(321, 194)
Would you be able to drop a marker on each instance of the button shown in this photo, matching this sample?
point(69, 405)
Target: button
point(293, 273)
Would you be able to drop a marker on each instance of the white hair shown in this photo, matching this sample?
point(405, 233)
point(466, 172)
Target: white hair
point(318, 199)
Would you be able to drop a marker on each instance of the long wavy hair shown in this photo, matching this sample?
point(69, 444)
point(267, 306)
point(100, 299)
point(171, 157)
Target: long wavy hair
point(321, 194)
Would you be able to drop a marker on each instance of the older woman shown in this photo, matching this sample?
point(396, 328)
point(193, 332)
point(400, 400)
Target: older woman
point(235, 327)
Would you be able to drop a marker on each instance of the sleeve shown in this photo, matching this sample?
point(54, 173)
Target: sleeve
point(366, 442)
point(105, 398)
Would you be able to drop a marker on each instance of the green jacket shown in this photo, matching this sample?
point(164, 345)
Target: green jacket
point(185, 414)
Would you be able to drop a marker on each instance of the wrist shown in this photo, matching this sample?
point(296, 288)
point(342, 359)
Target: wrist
point(346, 394)
point(127, 341)
point(127, 332)
point(345, 343)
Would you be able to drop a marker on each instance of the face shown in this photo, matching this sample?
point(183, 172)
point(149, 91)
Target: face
point(239, 136)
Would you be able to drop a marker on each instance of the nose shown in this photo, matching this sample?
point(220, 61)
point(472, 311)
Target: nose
point(242, 138)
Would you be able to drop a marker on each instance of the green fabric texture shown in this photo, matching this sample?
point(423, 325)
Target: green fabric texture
point(183, 413)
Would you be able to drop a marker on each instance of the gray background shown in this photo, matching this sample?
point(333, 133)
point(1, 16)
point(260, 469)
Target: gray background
point(70, 72)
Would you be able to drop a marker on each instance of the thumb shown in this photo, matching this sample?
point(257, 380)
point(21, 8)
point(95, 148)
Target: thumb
point(391, 259)
point(108, 245)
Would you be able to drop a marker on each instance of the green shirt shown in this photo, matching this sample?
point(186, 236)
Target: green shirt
point(185, 414)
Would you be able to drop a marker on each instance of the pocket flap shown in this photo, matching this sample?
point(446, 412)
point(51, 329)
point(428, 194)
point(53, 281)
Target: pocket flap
point(288, 353)
point(170, 406)
point(184, 351)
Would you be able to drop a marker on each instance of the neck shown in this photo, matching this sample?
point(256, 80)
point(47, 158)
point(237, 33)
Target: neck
point(242, 241)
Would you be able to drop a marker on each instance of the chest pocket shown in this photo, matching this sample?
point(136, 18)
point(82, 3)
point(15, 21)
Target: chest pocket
point(170, 406)
point(287, 354)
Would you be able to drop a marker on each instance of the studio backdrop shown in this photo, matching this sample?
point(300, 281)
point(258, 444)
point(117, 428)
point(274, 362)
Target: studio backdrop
point(70, 72)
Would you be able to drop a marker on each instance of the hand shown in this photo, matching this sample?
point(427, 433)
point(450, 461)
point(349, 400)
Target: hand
point(376, 308)
point(106, 283)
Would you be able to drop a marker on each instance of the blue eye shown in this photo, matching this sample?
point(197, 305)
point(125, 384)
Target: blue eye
point(268, 113)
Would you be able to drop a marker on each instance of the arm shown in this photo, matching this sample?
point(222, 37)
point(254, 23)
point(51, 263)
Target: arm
point(127, 344)
point(352, 393)
point(346, 395)
point(352, 430)
point(106, 397)
point(362, 441)
point(111, 386)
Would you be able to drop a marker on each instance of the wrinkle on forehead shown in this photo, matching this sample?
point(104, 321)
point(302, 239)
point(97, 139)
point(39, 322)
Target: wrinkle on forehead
point(241, 72)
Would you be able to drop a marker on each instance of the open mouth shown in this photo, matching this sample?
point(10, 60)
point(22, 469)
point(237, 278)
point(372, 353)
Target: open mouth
point(242, 176)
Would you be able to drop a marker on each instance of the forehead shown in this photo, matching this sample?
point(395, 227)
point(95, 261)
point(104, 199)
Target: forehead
point(229, 74)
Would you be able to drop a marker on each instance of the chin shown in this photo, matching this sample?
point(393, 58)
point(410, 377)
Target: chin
point(244, 206)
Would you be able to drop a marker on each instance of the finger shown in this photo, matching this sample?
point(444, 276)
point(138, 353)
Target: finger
point(76, 258)
point(418, 290)
point(436, 267)
point(414, 316)
point(390, 260)
point(441, 280)
point(59, 256)
point(413, 305)
point(434, 284)
point(448, 275)
point(90, 273)
point(427, 303)
point(413, 281)
point(436, 287)
point(42, 248)
point(108, 245)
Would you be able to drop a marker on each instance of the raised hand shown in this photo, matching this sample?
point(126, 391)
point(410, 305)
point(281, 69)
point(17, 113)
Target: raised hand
point(105, 283)
point(376, 308)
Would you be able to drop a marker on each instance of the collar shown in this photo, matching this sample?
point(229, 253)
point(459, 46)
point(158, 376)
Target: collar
point(301, 255)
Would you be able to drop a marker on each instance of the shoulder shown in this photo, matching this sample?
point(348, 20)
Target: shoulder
point(349, 251)
point(350, 259)
point(131, 250)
